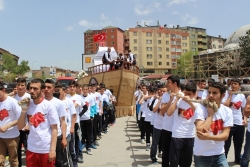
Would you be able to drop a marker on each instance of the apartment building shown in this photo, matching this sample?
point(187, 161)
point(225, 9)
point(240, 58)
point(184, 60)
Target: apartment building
point(156, 48)
point(114, 38)
point(215, 42)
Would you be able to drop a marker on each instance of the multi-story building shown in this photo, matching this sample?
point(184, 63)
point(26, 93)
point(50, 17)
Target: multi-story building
point(5, 52)
point(156, 48)
point(215, 42)
point(114, 38)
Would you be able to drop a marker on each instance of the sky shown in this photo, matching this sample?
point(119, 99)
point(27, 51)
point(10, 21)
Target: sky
point(50, 33)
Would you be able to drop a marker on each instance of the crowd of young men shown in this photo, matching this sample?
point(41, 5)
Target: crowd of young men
point(184, 130)
point(56, 124)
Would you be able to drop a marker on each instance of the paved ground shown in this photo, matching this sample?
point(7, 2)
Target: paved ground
point(121, 147)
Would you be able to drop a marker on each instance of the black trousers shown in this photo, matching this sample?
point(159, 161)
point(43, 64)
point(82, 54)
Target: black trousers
point(166, 141)
point(237, 132)
point(99, 124)
point(61, 154)
point(86, 126)
point(106, 121)
point(95, 127)
point(142, 127)
point(148, 130)
point(22, 141)
point(181, 150)
point(76, 140)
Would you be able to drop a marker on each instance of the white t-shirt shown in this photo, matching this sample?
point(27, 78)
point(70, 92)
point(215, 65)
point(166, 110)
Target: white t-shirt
point(70, 109)
point(204, 94)
point(222, 118)
point(97, 99)
point(61, 111)
point(104, 97)
point(143, 108)
point(200, 94)
point(152, 121)
point(137, 94)
point(238, 101)
point(40, 118)
point(86, 101)
point(108, 93)
point(9, 112)
point(183, 125)
point(168, 120)
point(158, 123)
point(225, 97)
point(78, 100)
point(148, 112)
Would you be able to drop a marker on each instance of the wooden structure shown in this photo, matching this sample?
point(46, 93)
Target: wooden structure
point(123, 83)
point(225, 64)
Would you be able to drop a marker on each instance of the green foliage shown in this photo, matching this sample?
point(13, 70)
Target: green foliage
point(184, 65)
point(245, 47)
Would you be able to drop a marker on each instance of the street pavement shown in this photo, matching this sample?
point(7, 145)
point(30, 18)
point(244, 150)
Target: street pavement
point(121, 147)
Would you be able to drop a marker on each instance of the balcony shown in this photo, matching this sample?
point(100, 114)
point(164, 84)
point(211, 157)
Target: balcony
point(203, 34)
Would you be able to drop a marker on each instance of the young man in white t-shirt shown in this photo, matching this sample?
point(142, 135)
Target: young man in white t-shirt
point(70, 120)
point(156, 138)
point(43, 119)
point(105, 116)
point(202, 85)
point(237, 104)
point(212, 129)
point(61, 151)
point(183, 130)
point(137, 98)
point(20, 95)
point(173, 83)
point(78, 102)
point(246, 155)
point(9, 134)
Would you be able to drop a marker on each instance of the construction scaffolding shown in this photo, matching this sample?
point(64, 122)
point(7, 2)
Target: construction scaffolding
point(225, 64)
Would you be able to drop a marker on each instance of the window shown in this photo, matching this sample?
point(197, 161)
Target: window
point(178, 36)
point(112, 43)
point(159, 34)
point(174, 64)
point(178, 49)
point(184, 38)
point(193, 49)
point(135, 48)
point(148, 34)
point(167, 63)
point(159, 56)
point(135, 33)
point(159, 41)
point(135, 56)
point(184, 50)
point(135, 40)
point(167, 42)
point(173, 49)
point(160, 63)
point(159, 49)
point(112, 30)
point(193, 43)
point(219, 41)
point(149, 48)
point(192, 36)
point(172, 35)
point(96, 44)
point(148, 41)
point(220, 46)
point(167, 49)
point(149, 63)
point(167, 35)
point(184, 44)
point(149, 56)
point(112, 36)
point(214, 46)
point(173, 42)
point(178, 43)
point(167, 56)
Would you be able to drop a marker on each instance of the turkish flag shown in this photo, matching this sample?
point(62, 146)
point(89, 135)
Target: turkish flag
point(36, 119)
point(100, 37)
point(216, 126)
point(3, 114)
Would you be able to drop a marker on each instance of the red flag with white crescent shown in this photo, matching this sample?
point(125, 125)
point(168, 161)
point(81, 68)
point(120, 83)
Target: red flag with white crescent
point(100, 37)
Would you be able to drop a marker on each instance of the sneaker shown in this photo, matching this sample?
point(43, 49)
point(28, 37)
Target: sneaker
point(96, 143)
point(142, 141)
point(148, 147)
point(93, 146)
point(105, 132)
point(80, 159)
point(89, 152)
point(83, 146)
point(159, 155)
point(154, 160)
point(98, 138)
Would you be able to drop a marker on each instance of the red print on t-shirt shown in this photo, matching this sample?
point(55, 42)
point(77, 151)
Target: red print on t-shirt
point(36, 119)
point(74, 101)
point(87, 103)
point(236, 105)
point(3, 114)
point(216, 126)
point(186, 113)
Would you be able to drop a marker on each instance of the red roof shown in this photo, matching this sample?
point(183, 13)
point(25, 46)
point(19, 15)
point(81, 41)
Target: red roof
point(156, 76)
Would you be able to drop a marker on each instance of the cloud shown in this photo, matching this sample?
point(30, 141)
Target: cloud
point(189, 19)
point(141, 10)
point(174, 13)
point(104, 21)
point(1, 5)
point(69, 28)
point(178, 2)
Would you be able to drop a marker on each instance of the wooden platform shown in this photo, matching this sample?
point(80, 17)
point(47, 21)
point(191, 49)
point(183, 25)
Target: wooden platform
point(123, 83)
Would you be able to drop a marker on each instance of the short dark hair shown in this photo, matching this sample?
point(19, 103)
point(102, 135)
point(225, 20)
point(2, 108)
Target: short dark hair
point(174, 79)
point(219, 86)
point(245, 81)
point(182, 86)
point(73, 83)
point(2, 86)
point(21, 80)
point(50, 81)
point(102, 84)
point(62, 86)
point(203, 80)
point(28, 86)
point(191, 86)
point(211, 80)
point(38, 80)
point(111, 90)
point(236, 80)
point(85, 85)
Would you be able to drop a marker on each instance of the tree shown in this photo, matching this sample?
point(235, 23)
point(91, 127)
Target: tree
point(22, 68)
point(245, 47)
point(184, 65)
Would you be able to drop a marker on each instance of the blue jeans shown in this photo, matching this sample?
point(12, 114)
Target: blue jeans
point(246, 155)
point(211, 161)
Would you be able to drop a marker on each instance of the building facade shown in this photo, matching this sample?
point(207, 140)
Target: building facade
point(215, 42)
point(114, 38)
